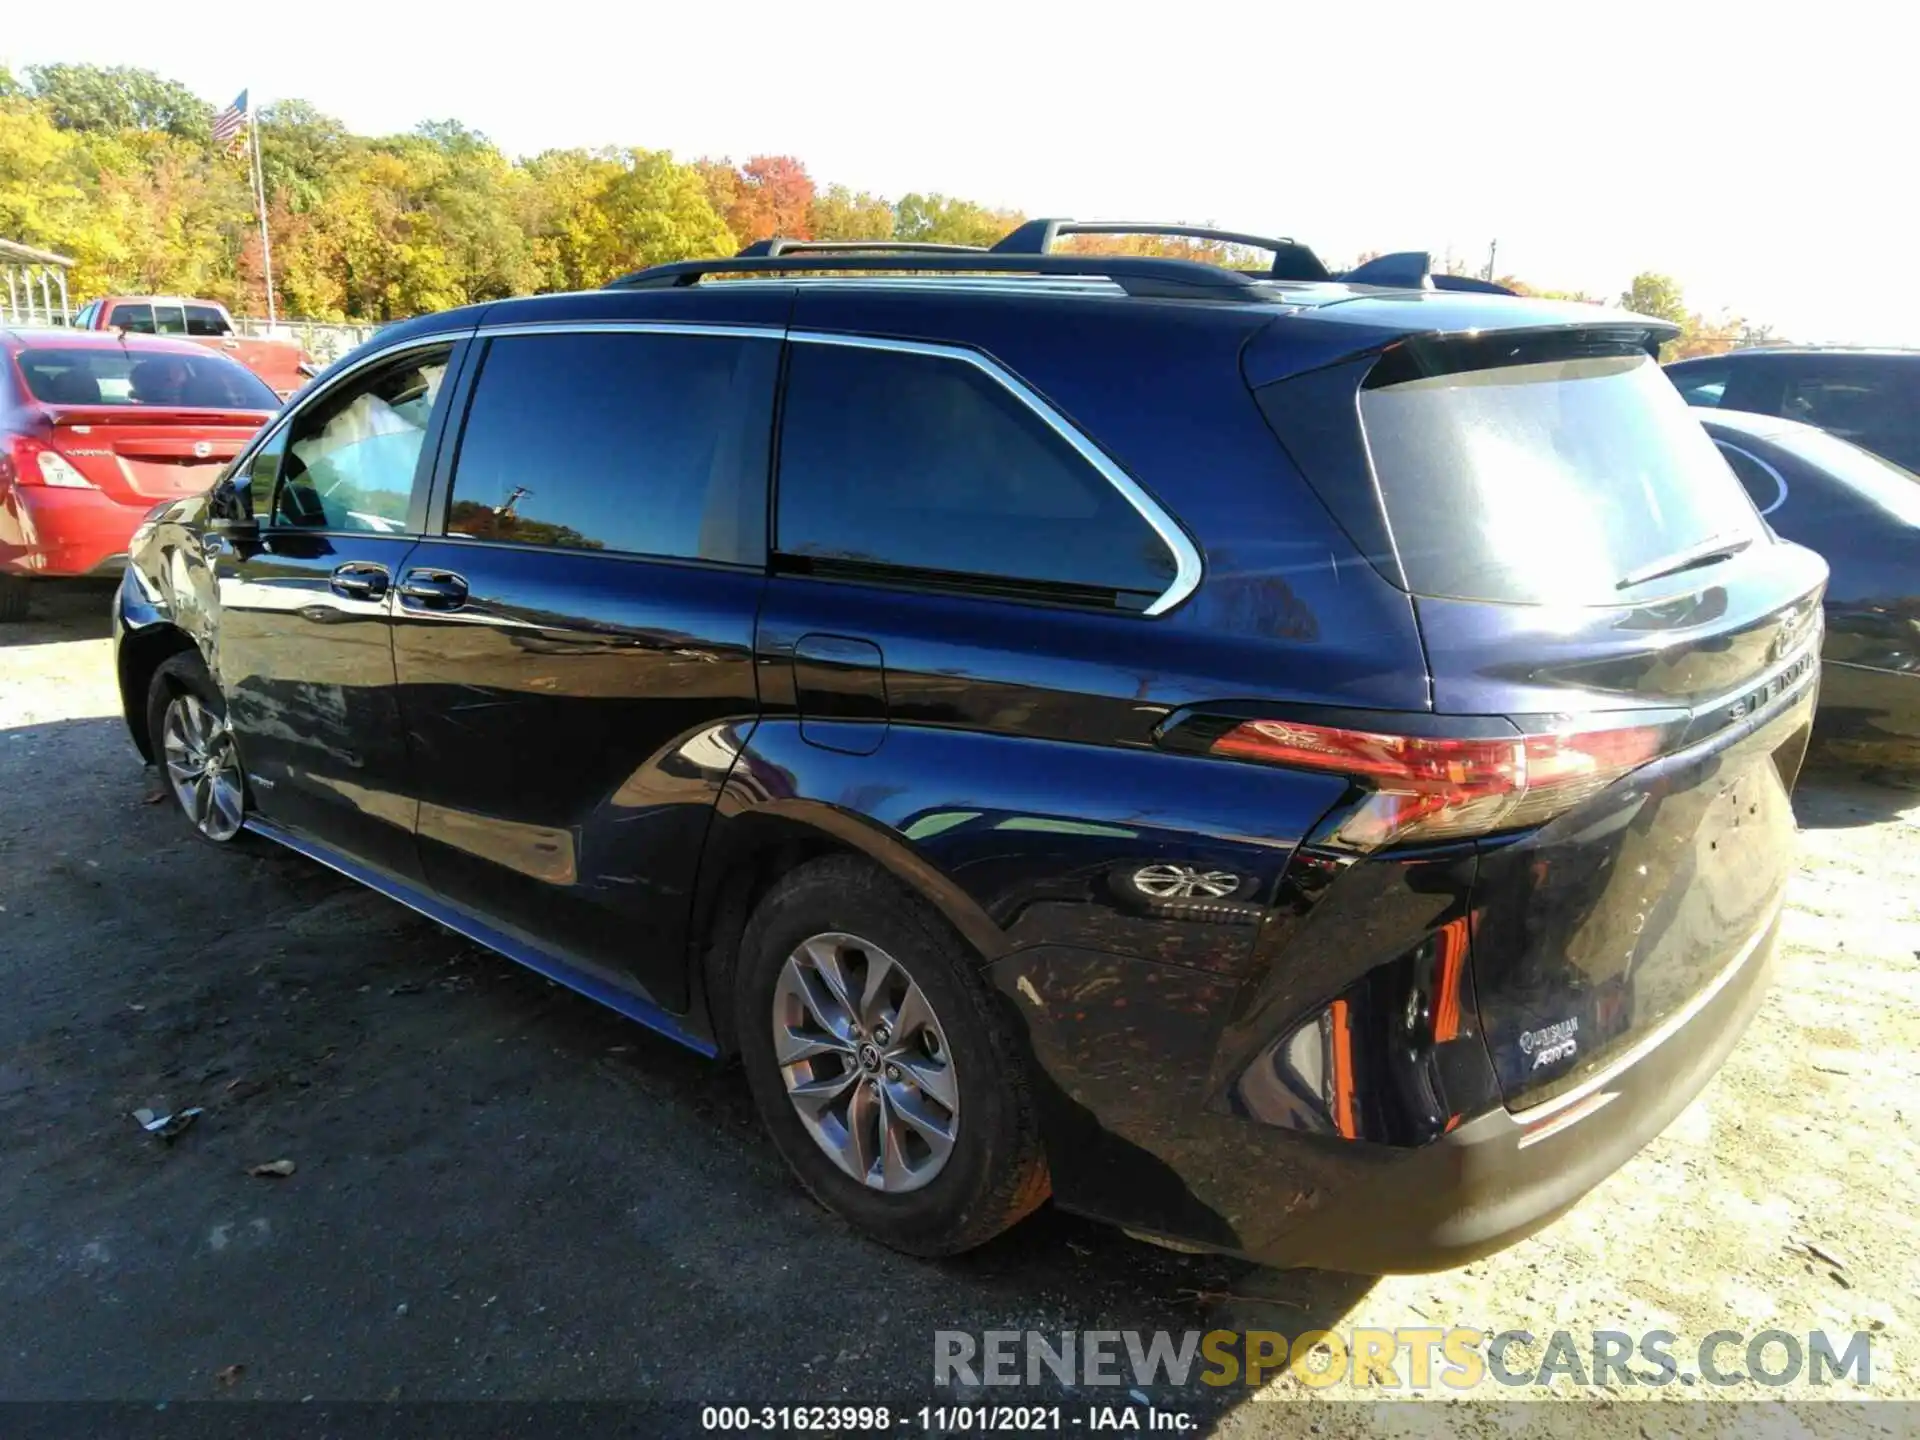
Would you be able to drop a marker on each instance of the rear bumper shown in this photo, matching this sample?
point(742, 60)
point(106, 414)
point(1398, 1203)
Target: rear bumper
point(1499, 1178)
point(47, 531)
point(1130, 1141)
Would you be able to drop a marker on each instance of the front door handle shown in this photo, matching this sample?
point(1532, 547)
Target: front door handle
point(359, 580)
point(434, 589)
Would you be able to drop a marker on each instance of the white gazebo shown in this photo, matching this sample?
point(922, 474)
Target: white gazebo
point(36, 285)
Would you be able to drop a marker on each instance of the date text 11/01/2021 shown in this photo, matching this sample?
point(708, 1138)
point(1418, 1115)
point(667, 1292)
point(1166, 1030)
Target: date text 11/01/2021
point(946, 1419)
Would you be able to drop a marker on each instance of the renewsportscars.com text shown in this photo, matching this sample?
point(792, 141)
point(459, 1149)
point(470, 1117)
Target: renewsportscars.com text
point(1404, 1358)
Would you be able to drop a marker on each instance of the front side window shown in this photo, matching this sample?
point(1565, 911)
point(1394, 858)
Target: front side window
point(135, 319)
point(643, 444)
point(925, 468)
point(352, 454)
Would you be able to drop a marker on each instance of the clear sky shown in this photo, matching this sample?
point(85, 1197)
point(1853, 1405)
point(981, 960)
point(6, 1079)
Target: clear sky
point(1762, 154)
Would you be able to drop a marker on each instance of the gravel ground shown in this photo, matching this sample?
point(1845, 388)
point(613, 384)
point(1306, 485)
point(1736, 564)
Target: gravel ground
point(502, 1192)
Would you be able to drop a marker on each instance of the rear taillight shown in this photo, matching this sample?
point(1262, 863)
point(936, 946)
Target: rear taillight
point(37, 464)
point(1425, 788)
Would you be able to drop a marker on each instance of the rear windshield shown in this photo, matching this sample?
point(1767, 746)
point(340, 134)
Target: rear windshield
point(1547, 483)
point(117, 377)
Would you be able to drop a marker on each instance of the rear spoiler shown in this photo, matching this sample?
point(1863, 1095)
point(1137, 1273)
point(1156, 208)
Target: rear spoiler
point(1413, 270)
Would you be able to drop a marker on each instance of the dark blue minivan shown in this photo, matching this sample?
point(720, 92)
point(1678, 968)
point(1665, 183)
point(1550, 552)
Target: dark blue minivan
point(1281, 763)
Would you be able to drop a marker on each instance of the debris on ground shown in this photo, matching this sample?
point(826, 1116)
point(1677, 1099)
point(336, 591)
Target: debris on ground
point(228, 1376)
point(1824, 1256)
point(167, 1127)
point(274, 1168)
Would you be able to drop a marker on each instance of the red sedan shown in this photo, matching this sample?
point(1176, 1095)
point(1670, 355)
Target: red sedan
point(95, 430)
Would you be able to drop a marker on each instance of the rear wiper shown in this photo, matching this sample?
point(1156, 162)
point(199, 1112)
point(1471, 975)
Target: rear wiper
point(1714, 547)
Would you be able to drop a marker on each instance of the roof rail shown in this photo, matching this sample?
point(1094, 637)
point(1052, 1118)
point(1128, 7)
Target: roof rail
point(1291, 259)
point(1138, 275)
point(781, 245)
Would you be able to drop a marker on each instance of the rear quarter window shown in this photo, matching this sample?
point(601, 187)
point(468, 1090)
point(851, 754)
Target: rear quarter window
point(1546, 483)
point(205, 321)
point(926, 469)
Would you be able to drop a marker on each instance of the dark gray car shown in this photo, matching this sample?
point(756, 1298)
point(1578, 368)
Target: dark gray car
point(1862, 513)
point(1868, 397)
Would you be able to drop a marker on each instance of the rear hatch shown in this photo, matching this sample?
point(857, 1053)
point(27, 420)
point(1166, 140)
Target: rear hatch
point(1586, 568)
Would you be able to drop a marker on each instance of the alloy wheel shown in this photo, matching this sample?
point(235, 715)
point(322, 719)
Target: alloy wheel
point(865, 1062)
point(203, 768)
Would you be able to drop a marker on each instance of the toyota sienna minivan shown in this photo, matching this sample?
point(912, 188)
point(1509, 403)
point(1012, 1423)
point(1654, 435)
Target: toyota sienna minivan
point(1291, 764)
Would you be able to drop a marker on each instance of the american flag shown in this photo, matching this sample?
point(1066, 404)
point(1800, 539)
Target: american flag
point(228, 124)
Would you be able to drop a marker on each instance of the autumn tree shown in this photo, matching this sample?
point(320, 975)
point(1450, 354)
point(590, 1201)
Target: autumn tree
point(116, 168)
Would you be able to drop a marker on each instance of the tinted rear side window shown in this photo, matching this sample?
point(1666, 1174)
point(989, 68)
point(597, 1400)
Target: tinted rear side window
point(928, 467)
point(1546, 483)
point(644, 444)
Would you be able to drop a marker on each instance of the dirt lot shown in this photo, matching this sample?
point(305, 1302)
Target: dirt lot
point(502, 1191)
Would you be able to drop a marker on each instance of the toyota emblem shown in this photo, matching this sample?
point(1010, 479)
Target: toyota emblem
point(201, 449)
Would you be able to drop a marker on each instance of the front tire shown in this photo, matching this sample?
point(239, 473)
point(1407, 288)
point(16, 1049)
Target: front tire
point(193, 747)
point(13, 599)
point(881, 1065)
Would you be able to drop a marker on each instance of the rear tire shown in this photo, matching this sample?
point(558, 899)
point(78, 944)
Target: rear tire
point(194, 749)
point(13, 599)
point(953, 1069)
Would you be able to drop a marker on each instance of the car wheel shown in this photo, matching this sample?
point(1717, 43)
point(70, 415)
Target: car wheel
point(187, 722)
point(13, 598)
point(888, 1078)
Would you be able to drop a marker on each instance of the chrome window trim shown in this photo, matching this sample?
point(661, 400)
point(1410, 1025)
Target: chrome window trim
point(1780, 495)
point(1188, 568)
point(1186, 558)
point(630, 327)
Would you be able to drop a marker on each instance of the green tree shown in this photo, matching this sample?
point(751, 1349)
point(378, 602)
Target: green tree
point(299, 148)
point(1655, 295)
point(119, 97)
point(841, 214)
point(947, 221)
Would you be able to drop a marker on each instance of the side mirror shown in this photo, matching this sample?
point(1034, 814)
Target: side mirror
point(235, 528)
point(230, 512)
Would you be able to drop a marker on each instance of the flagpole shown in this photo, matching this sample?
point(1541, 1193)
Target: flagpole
point(260, 199)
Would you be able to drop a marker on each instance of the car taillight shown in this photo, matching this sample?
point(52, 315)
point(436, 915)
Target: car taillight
point(38, 464)
point(1426, 788)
